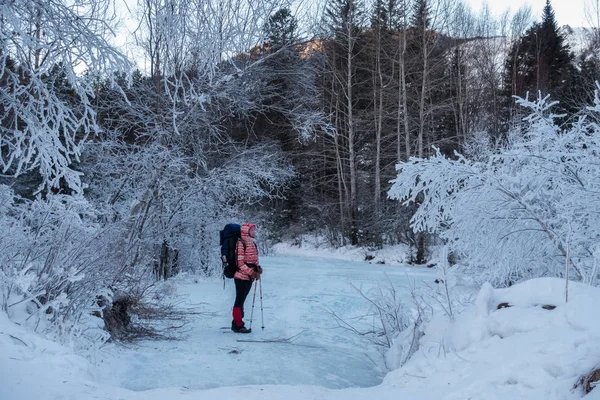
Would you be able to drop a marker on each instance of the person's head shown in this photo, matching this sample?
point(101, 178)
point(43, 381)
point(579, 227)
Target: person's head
point(248, 229)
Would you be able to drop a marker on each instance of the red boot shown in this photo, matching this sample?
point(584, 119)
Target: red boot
point(237, 325)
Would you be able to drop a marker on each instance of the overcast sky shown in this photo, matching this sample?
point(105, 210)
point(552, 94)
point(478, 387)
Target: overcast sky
point(568, 12)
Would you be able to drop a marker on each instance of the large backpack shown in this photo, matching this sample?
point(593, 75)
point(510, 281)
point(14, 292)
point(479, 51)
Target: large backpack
point(229, 238)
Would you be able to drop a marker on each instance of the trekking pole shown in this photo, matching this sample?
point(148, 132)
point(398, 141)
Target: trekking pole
point(253, 298)
point(262, 316)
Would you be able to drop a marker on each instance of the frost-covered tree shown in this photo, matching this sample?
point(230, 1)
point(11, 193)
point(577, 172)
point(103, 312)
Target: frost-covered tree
point(159, 199)
point(46, 106)
point(524, 210)
point(199, 35)
point(162, 174)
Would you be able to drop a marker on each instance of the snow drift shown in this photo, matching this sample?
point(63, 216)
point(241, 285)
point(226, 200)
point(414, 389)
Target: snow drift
point(523, 342)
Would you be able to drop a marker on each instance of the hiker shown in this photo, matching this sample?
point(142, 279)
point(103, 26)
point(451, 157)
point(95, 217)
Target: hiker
point(248, 271)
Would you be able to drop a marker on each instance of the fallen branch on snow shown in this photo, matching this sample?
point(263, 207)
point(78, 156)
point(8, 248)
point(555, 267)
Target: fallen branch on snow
point(281, 340)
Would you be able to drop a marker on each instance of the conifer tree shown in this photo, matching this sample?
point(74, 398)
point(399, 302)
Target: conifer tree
point(540, 61)
point(281, 28)
point(421, 17)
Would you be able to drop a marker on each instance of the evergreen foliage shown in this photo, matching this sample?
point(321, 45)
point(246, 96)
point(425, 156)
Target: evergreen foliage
point(541, 61)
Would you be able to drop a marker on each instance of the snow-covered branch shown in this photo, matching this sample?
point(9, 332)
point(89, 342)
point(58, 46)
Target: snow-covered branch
point(47, 114)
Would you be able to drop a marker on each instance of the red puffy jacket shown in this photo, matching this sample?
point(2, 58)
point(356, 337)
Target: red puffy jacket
point(249, 255)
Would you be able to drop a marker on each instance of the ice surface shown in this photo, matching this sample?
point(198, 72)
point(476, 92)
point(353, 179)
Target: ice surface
point(299, 295)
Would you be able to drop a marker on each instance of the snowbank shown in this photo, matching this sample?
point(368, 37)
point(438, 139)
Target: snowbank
point(535, 346)
point(313, 246)
point(29, 362)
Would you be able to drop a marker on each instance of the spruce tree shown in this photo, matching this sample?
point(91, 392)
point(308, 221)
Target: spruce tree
point(281, 28)
point(540, 61)
point(555, 62)
point(380, 16)
point(421, 17)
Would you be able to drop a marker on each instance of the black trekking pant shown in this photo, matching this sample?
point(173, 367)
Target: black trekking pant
point(242, 288)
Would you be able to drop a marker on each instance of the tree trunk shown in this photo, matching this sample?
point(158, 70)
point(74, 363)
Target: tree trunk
point(462, 128)
point(378, 108)
point(420, 139)
point(341, 181)
point(351, 133)
point(420, 259)
point(403, 100)
point(164, 266)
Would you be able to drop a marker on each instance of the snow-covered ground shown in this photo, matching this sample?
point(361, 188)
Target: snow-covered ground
point(316, 246)
point(520, 352)
point(298, 295)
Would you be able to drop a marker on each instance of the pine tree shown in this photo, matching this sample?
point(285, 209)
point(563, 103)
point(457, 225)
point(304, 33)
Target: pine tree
point(540, 61)
point(281, 29)
point(344, 18)
point(555, 62)
point(380, 17)
point(421, 17)
point(281, 66)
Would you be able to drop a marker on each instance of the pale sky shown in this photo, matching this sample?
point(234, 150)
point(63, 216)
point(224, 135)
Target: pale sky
point(568, 12)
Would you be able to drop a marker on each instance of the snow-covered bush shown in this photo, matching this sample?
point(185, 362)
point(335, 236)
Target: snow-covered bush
point(392, 324)
point(12, 234)
point(66, 272)
point(445, 299)
point(53, 262)
point(518, 211)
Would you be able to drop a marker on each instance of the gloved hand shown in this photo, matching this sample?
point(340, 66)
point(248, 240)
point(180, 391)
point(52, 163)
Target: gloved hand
point(259, 269)
point(255, 275)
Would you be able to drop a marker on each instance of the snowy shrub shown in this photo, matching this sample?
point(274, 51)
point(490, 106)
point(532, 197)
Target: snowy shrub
point(445, 300)
point(50, 260)
point(392, 324)
point(150, 315)
point(11, 235)
point(396, 324)
point(517, 212)
point(405, 344)
point(538, 347)
point(390, 315)
point(64, 273)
